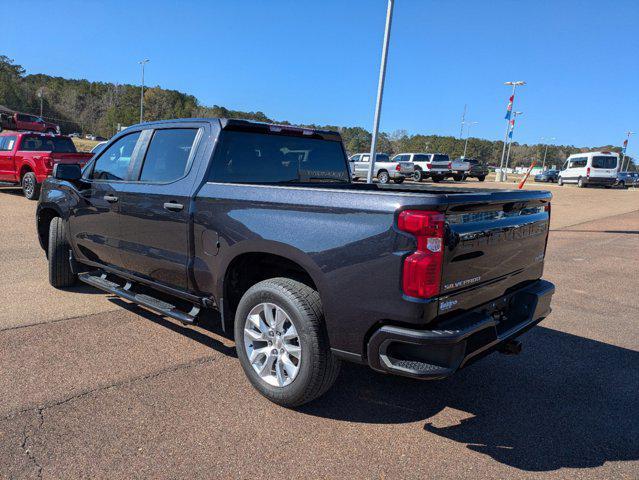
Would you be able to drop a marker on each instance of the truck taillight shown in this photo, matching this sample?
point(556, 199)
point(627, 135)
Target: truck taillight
point(421, 276)
point(450, 165)
point(398, 168)
point(428, 166)
point(48, 161)
point(588, 172)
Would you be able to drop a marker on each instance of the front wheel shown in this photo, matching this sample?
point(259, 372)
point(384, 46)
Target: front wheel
point(560, 182)
point(60, 273)
point(481, 178)
point(30, 186)
point(383, 177)
point(282, 343)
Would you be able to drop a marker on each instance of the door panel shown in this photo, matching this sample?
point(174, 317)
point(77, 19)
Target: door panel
point(155, 210)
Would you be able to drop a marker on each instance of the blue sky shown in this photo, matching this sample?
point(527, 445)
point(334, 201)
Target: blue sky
point(317, 61)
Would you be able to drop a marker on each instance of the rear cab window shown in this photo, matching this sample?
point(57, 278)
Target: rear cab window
point(252, 157)
point(40, 143)
point(439, 157)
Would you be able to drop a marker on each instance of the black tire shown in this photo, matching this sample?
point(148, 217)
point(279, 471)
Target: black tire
point(436, 178)
point(458, 178)
point(355, 179)
point(622, 184)
point(418, 175)
point(560, 182)
point(398, 180)
point(580, 183)
point(383, 176)
point(481, 178)
point(318, 366)
point(60, 273)
point(30, 186)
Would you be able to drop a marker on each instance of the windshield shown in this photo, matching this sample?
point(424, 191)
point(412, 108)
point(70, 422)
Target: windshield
point(38, 143)
point(602, 161)
point(249, 157)
point(438, 157)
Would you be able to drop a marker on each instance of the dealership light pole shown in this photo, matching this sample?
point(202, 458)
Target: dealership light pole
point(463, 121)
point(502, 175)
point(510, 135)
point(142, 62)
point(380, 89)
point(468, 125)
point(623, 150)
point(552, 139)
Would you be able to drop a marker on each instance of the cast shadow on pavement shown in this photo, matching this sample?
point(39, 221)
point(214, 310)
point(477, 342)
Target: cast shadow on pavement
point(208, 324)
point(566, 401)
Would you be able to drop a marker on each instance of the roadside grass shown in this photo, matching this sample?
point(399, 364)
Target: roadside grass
point(84, 145)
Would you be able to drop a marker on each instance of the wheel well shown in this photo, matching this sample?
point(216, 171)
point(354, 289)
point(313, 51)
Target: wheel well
point(250, 268)
point(44, 221)
point(382, 170)
point(24, 170)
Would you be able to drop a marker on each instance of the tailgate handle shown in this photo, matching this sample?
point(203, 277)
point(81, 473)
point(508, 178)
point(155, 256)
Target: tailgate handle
point(173, 206)
point(110, 198)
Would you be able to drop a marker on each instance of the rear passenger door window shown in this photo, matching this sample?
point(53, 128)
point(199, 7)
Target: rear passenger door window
point(115, 162)
point(169, 155)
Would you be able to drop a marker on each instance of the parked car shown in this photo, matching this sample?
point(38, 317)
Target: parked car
point(463, 168)
point(421, 163)
point(75, 135)
point(590, 168)
point(626, 179)
point(98, 147)
point(26, 159)
point(385, 169)
point(440, 167)
point(26, 122)
point(547, 176)
point(263, 224)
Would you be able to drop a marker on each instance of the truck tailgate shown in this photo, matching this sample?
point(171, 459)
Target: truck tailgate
point(491, 247)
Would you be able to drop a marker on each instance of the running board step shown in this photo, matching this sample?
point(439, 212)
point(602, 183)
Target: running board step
point(101, 282)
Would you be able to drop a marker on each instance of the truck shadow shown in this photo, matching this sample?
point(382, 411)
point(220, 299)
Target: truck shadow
point(566, 401)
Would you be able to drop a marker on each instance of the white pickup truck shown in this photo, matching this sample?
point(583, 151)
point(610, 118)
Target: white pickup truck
point(385, 168)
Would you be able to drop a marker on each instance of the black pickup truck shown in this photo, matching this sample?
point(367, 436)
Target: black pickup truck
point(262, 223)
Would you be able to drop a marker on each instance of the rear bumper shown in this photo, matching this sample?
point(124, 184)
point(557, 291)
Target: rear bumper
point(437, 354)
point(600, 180)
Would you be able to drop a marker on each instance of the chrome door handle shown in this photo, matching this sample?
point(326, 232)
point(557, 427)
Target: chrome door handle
point(110, 198)
point(173, 207)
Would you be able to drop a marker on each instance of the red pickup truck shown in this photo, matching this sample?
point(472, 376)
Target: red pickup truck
point(26, 159)
point(24, 121)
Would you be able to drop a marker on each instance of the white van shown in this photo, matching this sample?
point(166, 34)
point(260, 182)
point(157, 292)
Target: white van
point(591, 168)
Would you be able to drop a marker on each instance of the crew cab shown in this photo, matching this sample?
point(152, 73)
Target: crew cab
point(463, 168)
point(263, 224)
point(26, 159)
point(385, 168)
point(24, 121)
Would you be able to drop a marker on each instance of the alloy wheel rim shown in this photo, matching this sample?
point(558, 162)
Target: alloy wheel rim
point(27, 184)
point(272, 344)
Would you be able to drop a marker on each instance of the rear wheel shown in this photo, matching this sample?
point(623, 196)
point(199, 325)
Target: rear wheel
point(580, 183)
point(418, 175)
point(437, 178)
point(383, 177)
point(60, 273)
point(398, 180)
point(481, 178)
point(30, 186)
point(282, 343)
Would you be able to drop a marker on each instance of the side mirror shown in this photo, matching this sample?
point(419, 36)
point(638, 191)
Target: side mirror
point(70, 172)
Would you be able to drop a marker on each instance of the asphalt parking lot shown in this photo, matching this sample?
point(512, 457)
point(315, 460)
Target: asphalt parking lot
point(90, 389)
